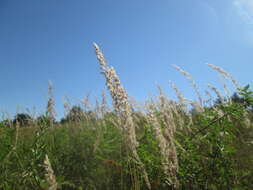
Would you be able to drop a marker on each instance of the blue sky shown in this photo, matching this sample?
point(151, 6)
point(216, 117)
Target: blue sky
point(52, 40)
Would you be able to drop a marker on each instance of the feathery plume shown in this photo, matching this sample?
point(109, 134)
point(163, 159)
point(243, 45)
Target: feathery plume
point(50, 103)
point(104, 102)
point(179, 94)
point(218, 94)
point(208, 101)
point(192, 81)
point(86, 102)
point(166, 143)
point(198, 108)
point(122, 108)
point(67, 105)
point(225, 74)
point(50, 177)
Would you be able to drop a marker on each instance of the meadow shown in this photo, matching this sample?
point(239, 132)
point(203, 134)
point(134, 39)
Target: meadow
point(164, 144)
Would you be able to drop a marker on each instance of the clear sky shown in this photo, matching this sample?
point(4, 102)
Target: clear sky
point(43, 40)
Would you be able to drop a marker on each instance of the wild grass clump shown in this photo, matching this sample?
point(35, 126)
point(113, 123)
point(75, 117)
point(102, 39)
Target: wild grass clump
point(168, 144)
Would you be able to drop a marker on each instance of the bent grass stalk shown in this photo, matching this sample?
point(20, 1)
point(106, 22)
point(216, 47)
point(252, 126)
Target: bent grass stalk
point(216, 91)
point(225, 74)
point(122, 108)
point(192, 81)
point(179, 94)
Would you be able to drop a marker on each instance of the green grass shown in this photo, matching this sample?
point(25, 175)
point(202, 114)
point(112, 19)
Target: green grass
point(217, 153)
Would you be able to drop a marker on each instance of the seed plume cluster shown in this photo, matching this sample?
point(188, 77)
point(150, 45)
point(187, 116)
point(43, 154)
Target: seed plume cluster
point(122, 107)
point(50, 178)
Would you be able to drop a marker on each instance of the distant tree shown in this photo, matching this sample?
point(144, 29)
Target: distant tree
point(23, 119)
point(240, 99)
point(75, 114)
point(219, 101)
point(236, 98)
point(5, 123)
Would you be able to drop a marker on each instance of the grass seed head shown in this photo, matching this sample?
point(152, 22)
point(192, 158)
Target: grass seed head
point(50, 177)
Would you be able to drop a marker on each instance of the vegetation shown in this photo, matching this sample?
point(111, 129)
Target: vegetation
point(165, 145)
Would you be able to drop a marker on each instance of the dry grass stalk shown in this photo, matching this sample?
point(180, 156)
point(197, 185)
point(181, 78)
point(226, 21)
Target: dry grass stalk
point(198, 108)
point(86, 102)
point(192, 81)
point(104, 104)
point(226, 89)
point(87, 107)
point(165, 149)
point(216, 91)
point(169, 151)
point(179, 94)
point(67, 105)
point(225, 74)
point(123, 109)
point(96, 112)
point(209, 100)
point(119, 95)
point(50, 177)
point(178, 108)
point(50, 103)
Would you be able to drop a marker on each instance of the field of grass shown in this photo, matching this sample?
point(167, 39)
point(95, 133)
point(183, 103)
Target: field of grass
point(204, 145)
